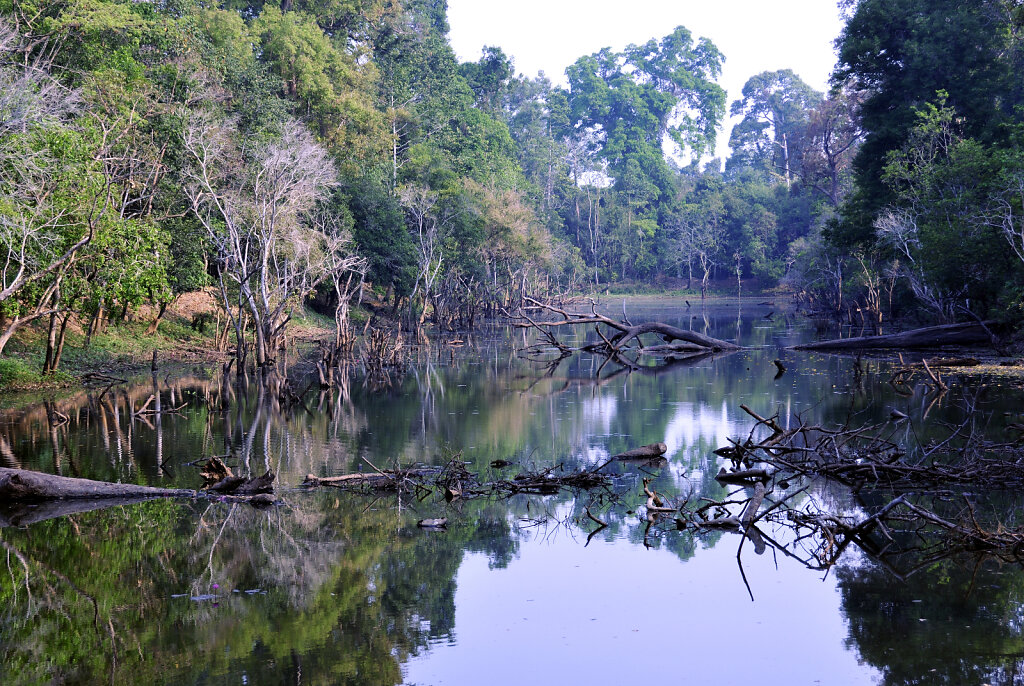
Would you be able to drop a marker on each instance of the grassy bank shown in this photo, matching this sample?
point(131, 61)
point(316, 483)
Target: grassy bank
point(125, 349)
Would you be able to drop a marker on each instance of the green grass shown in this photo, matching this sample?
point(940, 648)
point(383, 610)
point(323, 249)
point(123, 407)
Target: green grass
point(21, 373)
point(121, 347)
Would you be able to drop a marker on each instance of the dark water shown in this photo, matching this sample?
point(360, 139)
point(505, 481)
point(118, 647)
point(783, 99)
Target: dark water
point(340, 588)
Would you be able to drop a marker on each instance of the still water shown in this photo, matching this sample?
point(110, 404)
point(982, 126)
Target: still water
point(342, 588)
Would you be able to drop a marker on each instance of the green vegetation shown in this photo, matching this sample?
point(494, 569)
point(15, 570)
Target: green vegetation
point(937, 193)
point(297, 151)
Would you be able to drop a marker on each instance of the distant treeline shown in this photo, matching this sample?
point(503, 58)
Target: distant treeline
point(303, 148)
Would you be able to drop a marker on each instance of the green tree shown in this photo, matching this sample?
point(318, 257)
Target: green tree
point(772, 134)
point(902, 52)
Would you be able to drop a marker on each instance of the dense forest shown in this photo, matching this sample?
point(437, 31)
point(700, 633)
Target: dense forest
point(317, 150)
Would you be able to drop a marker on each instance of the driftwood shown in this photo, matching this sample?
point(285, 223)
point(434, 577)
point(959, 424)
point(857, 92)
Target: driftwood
point(455, 481)
point(971, 333)
point(617, 336)
point(643, 453)
point(744, 476)
point(383, 480)
point(655, 505)
point(25, 485)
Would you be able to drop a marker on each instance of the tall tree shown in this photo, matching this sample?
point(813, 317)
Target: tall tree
point(772, 134)
point(634, 103)
point(902, 52)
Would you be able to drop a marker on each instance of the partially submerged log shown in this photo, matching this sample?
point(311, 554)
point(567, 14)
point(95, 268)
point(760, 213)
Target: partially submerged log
point(753, 505)
point(382, 479)
point(23, 485)
point(970, 333)
point(643, 452)
point(669, 333)
point(240, 485)
point(617, 336)
point(745, 476)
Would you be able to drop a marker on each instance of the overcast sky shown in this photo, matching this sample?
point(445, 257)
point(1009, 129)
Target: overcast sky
point(754, 35)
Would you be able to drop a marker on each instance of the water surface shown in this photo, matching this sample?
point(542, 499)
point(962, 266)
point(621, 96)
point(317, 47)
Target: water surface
point(341, 588)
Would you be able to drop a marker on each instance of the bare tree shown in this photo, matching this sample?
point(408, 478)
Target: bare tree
point(258, 210)
point(1006, 210)
point(346, 271)
point(834, 135)
point(699, 243)
point(428, 223)
point(898, 229)
point(39, 237)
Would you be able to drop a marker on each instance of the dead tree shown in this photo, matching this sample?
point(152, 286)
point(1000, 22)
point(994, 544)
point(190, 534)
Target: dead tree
point(258, 215)
point(970, 333)
point(617, 336)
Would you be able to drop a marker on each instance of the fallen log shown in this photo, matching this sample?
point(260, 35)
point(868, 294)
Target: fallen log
point(376, 479)
point(624, 332)
point(670, 333)
point(23, 485)
point(970, 333)
point(753, 505)
point(240, 485)
point(741, 477)
point(643, 453)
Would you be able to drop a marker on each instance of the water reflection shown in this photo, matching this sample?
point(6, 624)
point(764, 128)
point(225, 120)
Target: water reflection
point(338, 588)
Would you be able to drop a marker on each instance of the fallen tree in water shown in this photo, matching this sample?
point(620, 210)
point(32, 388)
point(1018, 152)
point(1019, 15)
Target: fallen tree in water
point(616, 338)
point(455, 481)
point(23, 485)
point(971, 333)
point(927, 493)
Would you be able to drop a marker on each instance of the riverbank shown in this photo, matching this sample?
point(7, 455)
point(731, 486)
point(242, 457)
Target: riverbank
point(185, 341)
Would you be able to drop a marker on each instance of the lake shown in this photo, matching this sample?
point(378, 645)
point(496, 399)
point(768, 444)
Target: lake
point(336, 587)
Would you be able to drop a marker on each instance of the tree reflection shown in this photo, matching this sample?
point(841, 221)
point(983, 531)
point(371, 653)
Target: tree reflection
point(959, 621)
point(161, 592)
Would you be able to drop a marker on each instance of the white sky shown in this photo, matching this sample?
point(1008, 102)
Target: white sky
point(754, 35)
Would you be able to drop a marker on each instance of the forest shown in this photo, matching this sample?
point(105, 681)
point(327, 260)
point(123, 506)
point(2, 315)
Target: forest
point(332, 153)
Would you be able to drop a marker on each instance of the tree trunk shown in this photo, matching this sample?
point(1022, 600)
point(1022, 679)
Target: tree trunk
point(22, 484)
point(971, 333)
point(51, 345)
point(61, 337)
point(156, 320)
